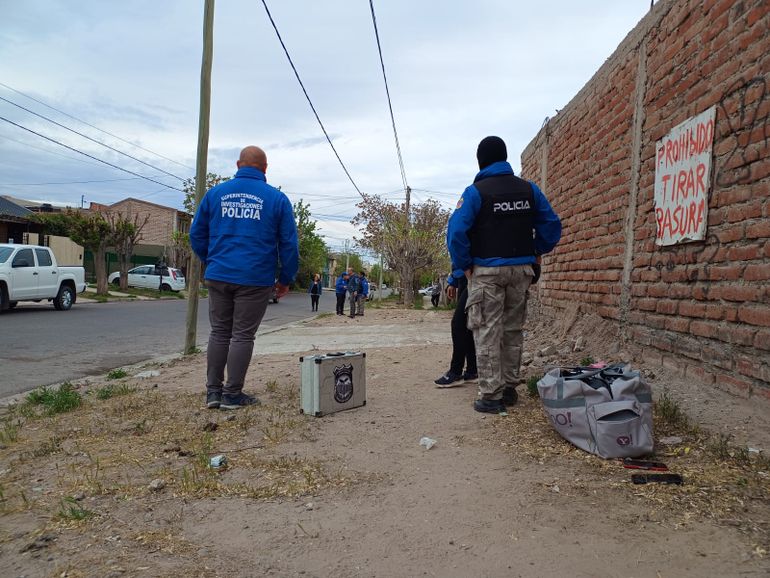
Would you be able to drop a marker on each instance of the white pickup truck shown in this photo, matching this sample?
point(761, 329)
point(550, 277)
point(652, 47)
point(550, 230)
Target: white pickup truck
point(30, 273)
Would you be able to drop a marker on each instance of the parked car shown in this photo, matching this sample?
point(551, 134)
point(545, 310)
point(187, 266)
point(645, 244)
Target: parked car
point(426, 290)
point(149, 277)
point(31, 273)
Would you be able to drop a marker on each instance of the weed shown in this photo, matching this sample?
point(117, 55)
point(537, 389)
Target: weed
point(10, 432)
point(271, 386)
point(55, 401)
point(327, 314)
point(669, 412)
point(140, 428)
point(719, 446)
point(118, 373)
point(48, 447)
point(114, 390)
point(532, 387)
point(419, 301)
point(69, 509)
point(93, 475)
point(586, 361)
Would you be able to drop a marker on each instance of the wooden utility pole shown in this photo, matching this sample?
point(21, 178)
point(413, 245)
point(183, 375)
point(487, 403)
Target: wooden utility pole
point(200, 169)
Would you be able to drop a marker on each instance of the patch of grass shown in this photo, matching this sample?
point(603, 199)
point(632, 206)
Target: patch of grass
point(118, 373)
point(327, 314)
point(419, 302)
point(10, 432)
point(54, 401)
point(71, 510)
point(586, 361)
point(532, 387)
point(669, 413)
point(271, 386)
point(51, 446)
point(114, 390)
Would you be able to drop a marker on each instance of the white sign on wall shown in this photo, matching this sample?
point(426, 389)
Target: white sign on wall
point(683, 180)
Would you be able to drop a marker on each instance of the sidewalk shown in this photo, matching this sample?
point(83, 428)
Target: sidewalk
point(353, 493)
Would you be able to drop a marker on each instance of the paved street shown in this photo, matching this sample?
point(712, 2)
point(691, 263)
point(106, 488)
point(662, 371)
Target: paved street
point(40, 346)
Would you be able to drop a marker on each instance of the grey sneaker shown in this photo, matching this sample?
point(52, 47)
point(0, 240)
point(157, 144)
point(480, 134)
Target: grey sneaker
point(237, 401)
point(213, 399)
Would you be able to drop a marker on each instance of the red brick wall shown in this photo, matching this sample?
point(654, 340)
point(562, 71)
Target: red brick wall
point(703, 307)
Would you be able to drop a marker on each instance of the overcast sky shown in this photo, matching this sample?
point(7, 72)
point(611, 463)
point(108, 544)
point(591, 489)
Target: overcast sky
point(457, 72)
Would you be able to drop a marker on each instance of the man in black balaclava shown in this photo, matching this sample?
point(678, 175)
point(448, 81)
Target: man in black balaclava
point(501, 226)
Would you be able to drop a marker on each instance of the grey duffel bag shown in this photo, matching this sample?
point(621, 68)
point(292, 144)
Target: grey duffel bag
point(606, 411)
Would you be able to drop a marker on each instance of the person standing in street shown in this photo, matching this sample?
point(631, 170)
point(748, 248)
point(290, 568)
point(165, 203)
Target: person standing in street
point(354, 286)
point(463, 347)
point(363, 294)
point(501, 226)
point(435, 293)
point(341, 292)
point(242, 228)
point(315, 291)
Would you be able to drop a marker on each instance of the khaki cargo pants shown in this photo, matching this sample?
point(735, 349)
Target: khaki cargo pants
point(497, 309)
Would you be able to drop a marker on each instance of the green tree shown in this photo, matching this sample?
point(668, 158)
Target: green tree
point(312, 249)
point(91, 230)
point(188, 186)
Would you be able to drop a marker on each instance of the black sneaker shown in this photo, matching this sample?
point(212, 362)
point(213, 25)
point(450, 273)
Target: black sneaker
point(510, 397)
point(237, 401)
point(213, 399)
point(489, 405)
point(449, 379)
point(472, 377)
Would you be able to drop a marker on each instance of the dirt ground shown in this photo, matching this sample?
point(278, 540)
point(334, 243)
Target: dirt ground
point(121, 485)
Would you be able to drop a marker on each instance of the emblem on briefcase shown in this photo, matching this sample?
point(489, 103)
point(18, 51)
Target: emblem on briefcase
point(343, 383)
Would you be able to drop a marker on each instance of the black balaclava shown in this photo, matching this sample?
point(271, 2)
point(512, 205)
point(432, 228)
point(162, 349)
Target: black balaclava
point(491, 150)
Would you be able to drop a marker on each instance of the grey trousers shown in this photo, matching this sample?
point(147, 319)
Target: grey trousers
point(235, 312)
point(497, 309)
point(353, 299)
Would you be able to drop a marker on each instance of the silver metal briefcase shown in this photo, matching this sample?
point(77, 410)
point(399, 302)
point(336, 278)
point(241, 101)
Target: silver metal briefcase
point(332, 382)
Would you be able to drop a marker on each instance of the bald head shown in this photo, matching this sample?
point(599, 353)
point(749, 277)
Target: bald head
point(254, 157)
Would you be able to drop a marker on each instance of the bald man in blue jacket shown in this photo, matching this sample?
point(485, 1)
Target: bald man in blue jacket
point(242, 229)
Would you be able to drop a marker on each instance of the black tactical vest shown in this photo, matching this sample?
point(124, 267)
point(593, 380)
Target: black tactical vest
point(504, 226)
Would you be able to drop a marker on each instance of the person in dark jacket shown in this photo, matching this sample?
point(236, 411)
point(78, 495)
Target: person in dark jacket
point(501, 226)
point(341, 291)
point(363, 294)
point(463, 347)
point(241, 229)
point(315, 291)
point(354, 286)
point(435, 293)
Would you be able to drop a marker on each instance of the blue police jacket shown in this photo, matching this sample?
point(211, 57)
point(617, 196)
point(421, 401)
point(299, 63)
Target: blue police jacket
point(364, 286)
point(547, 225)
point(341, 286)
point(242, 228)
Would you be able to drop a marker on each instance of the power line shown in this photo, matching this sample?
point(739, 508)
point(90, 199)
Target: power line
point(67, 182)
point(94, 127)
point(90, 156)
point(91, 139)
point(310, 102)
point(387, 92)
point(47, 151)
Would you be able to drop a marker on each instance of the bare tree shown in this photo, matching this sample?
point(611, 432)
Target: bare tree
point(409, 243)
point(126, 233)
